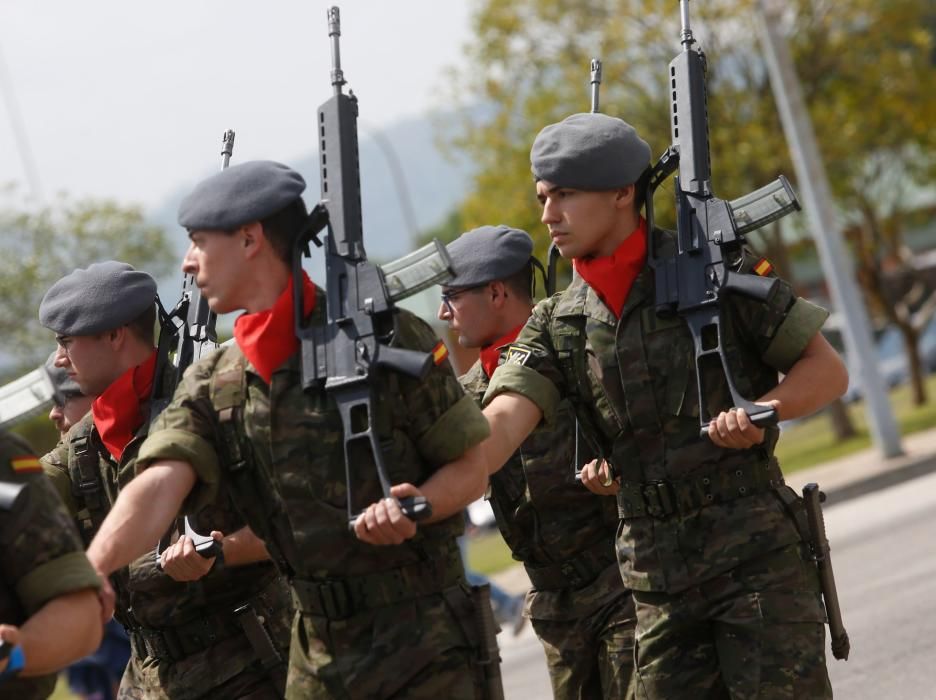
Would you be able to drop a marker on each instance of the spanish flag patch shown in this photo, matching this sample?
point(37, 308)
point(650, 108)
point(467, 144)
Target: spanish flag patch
point(439, 353)
point(763, 267)
point(25, 464)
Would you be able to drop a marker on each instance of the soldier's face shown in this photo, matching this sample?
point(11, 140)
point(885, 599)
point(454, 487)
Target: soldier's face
point(90, 360)
point(468, 312)
point(75, 408)
point(214, 259)
point(581, 223)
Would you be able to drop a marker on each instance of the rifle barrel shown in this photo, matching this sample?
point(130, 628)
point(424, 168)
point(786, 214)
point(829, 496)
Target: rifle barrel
point(227, 148)
point(686, 35)
point(595, 83)
point(334, 33)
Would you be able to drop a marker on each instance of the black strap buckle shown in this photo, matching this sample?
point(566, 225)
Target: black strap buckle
point(335, 599)
point(659, 497)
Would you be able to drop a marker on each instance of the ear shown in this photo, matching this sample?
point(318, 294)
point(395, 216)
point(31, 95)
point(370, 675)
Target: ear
point(497, 293)
point(624, 197)
point(252, 238)
point(118, 337)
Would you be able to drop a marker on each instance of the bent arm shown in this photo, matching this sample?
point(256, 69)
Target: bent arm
point(62, 631)
point(142, 513)
point(512, 418)
point(456, 484)
point(816, 379)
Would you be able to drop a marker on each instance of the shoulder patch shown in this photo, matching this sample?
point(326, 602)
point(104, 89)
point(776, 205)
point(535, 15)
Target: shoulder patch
point(25, 464)
point(763, 267)
point(439, 353)
point(517, 355)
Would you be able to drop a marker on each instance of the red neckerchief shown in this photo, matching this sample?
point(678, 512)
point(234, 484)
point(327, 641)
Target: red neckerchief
point(490, 354)
point(612, 276)
point(268, 338)
point(118, 411)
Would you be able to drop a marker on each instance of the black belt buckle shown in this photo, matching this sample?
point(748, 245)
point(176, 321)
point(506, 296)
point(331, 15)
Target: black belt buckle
point(659, 498)
point(335, 599)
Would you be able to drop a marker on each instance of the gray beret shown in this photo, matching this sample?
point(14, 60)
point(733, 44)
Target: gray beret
point(488, 253)
point(63, 386)
point(104, 296)
point(240, 195)
point(590, 151)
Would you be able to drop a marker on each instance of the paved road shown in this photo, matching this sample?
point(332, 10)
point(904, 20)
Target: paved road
point(884, 551)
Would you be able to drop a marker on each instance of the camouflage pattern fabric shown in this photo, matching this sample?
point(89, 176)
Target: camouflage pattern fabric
point(756, 633)
point(43, 557)
point(297, 443)
point(547, 518)
point(634, 381)
point(216, 658)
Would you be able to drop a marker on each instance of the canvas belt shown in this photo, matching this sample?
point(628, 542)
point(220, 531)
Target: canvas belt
point(339, 599)
point(719, 484)
point(576, 571)
point(179, 641)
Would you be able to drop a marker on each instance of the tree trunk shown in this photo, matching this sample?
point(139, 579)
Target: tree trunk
point(842, 424)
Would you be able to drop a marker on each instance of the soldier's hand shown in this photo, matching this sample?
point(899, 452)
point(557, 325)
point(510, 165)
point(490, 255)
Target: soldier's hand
point(383, 522)
point(597, 478)
point(733, 429)
point(183, 563)
point(10, 636)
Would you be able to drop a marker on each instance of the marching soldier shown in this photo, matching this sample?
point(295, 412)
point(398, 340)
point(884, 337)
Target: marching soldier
point(191, 625)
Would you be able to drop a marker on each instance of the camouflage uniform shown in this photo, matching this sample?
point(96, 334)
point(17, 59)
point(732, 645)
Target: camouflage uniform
point(564, 535)
point(710, 542)
point(374, 622)
point(42, 557)
point(185, 640)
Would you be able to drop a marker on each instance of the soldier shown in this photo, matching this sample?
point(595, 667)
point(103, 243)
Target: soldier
point(372, 622)
point(69, 405)
point(728, 602)
point(192, 627)
point(47, 588)
point(563, 534)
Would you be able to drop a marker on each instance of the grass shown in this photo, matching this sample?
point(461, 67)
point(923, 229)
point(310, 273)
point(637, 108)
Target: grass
point(805, 444)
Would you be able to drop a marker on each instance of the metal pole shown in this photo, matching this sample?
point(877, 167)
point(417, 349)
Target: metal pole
point(833, 254)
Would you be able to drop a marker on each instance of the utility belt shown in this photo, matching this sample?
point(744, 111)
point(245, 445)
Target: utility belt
point(711, 486)
point(180, 641)
point(339, 599)
point(574, 572)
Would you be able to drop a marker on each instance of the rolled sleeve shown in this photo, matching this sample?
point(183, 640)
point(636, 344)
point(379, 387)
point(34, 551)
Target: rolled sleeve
point(527, 382)
point(803, 320)
point(181, 445)
point(462, 426)
point(65, 574)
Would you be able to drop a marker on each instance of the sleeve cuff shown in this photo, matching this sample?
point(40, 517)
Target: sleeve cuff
point(528, 383)
point(65, 574)
point(460, 427)
point(802, 322)
point(175, 444)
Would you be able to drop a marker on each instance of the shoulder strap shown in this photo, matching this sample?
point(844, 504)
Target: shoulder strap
point(252, 495)
point(84, 473)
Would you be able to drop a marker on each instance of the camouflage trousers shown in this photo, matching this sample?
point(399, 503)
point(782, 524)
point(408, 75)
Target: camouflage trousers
point(593, 656)
point(755, 632)
point(420, 649)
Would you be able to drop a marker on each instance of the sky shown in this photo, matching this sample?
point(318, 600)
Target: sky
point(129, 100)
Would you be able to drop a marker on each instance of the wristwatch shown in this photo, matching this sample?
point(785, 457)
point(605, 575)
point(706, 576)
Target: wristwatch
point(16, 660)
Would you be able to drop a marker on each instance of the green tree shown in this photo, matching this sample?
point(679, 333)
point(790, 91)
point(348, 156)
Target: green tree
point(866, 68)
point(40, 245)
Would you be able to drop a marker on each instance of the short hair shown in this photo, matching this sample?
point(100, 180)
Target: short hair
point(521, 282)
point(640, 189)
point(282, 227)
point(144, 325)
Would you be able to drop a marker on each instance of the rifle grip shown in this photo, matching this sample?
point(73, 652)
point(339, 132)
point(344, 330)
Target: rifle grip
point(416, 508)
point(761, 416)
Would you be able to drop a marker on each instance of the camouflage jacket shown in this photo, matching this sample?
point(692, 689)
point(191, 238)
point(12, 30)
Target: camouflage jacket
point(296, 443)
point(633, 383)
point(42, 553)
point(149, 599)
point(552, 523)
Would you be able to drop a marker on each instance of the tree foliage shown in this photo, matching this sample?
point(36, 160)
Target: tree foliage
point(40, 245)
point(867, 70)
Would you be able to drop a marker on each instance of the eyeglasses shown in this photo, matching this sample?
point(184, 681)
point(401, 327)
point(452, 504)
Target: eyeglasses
point(447, 297)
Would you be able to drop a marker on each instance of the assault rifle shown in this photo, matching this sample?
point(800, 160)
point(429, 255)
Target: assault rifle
point(187, 334)
point(710, 231)
point(344, 354)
